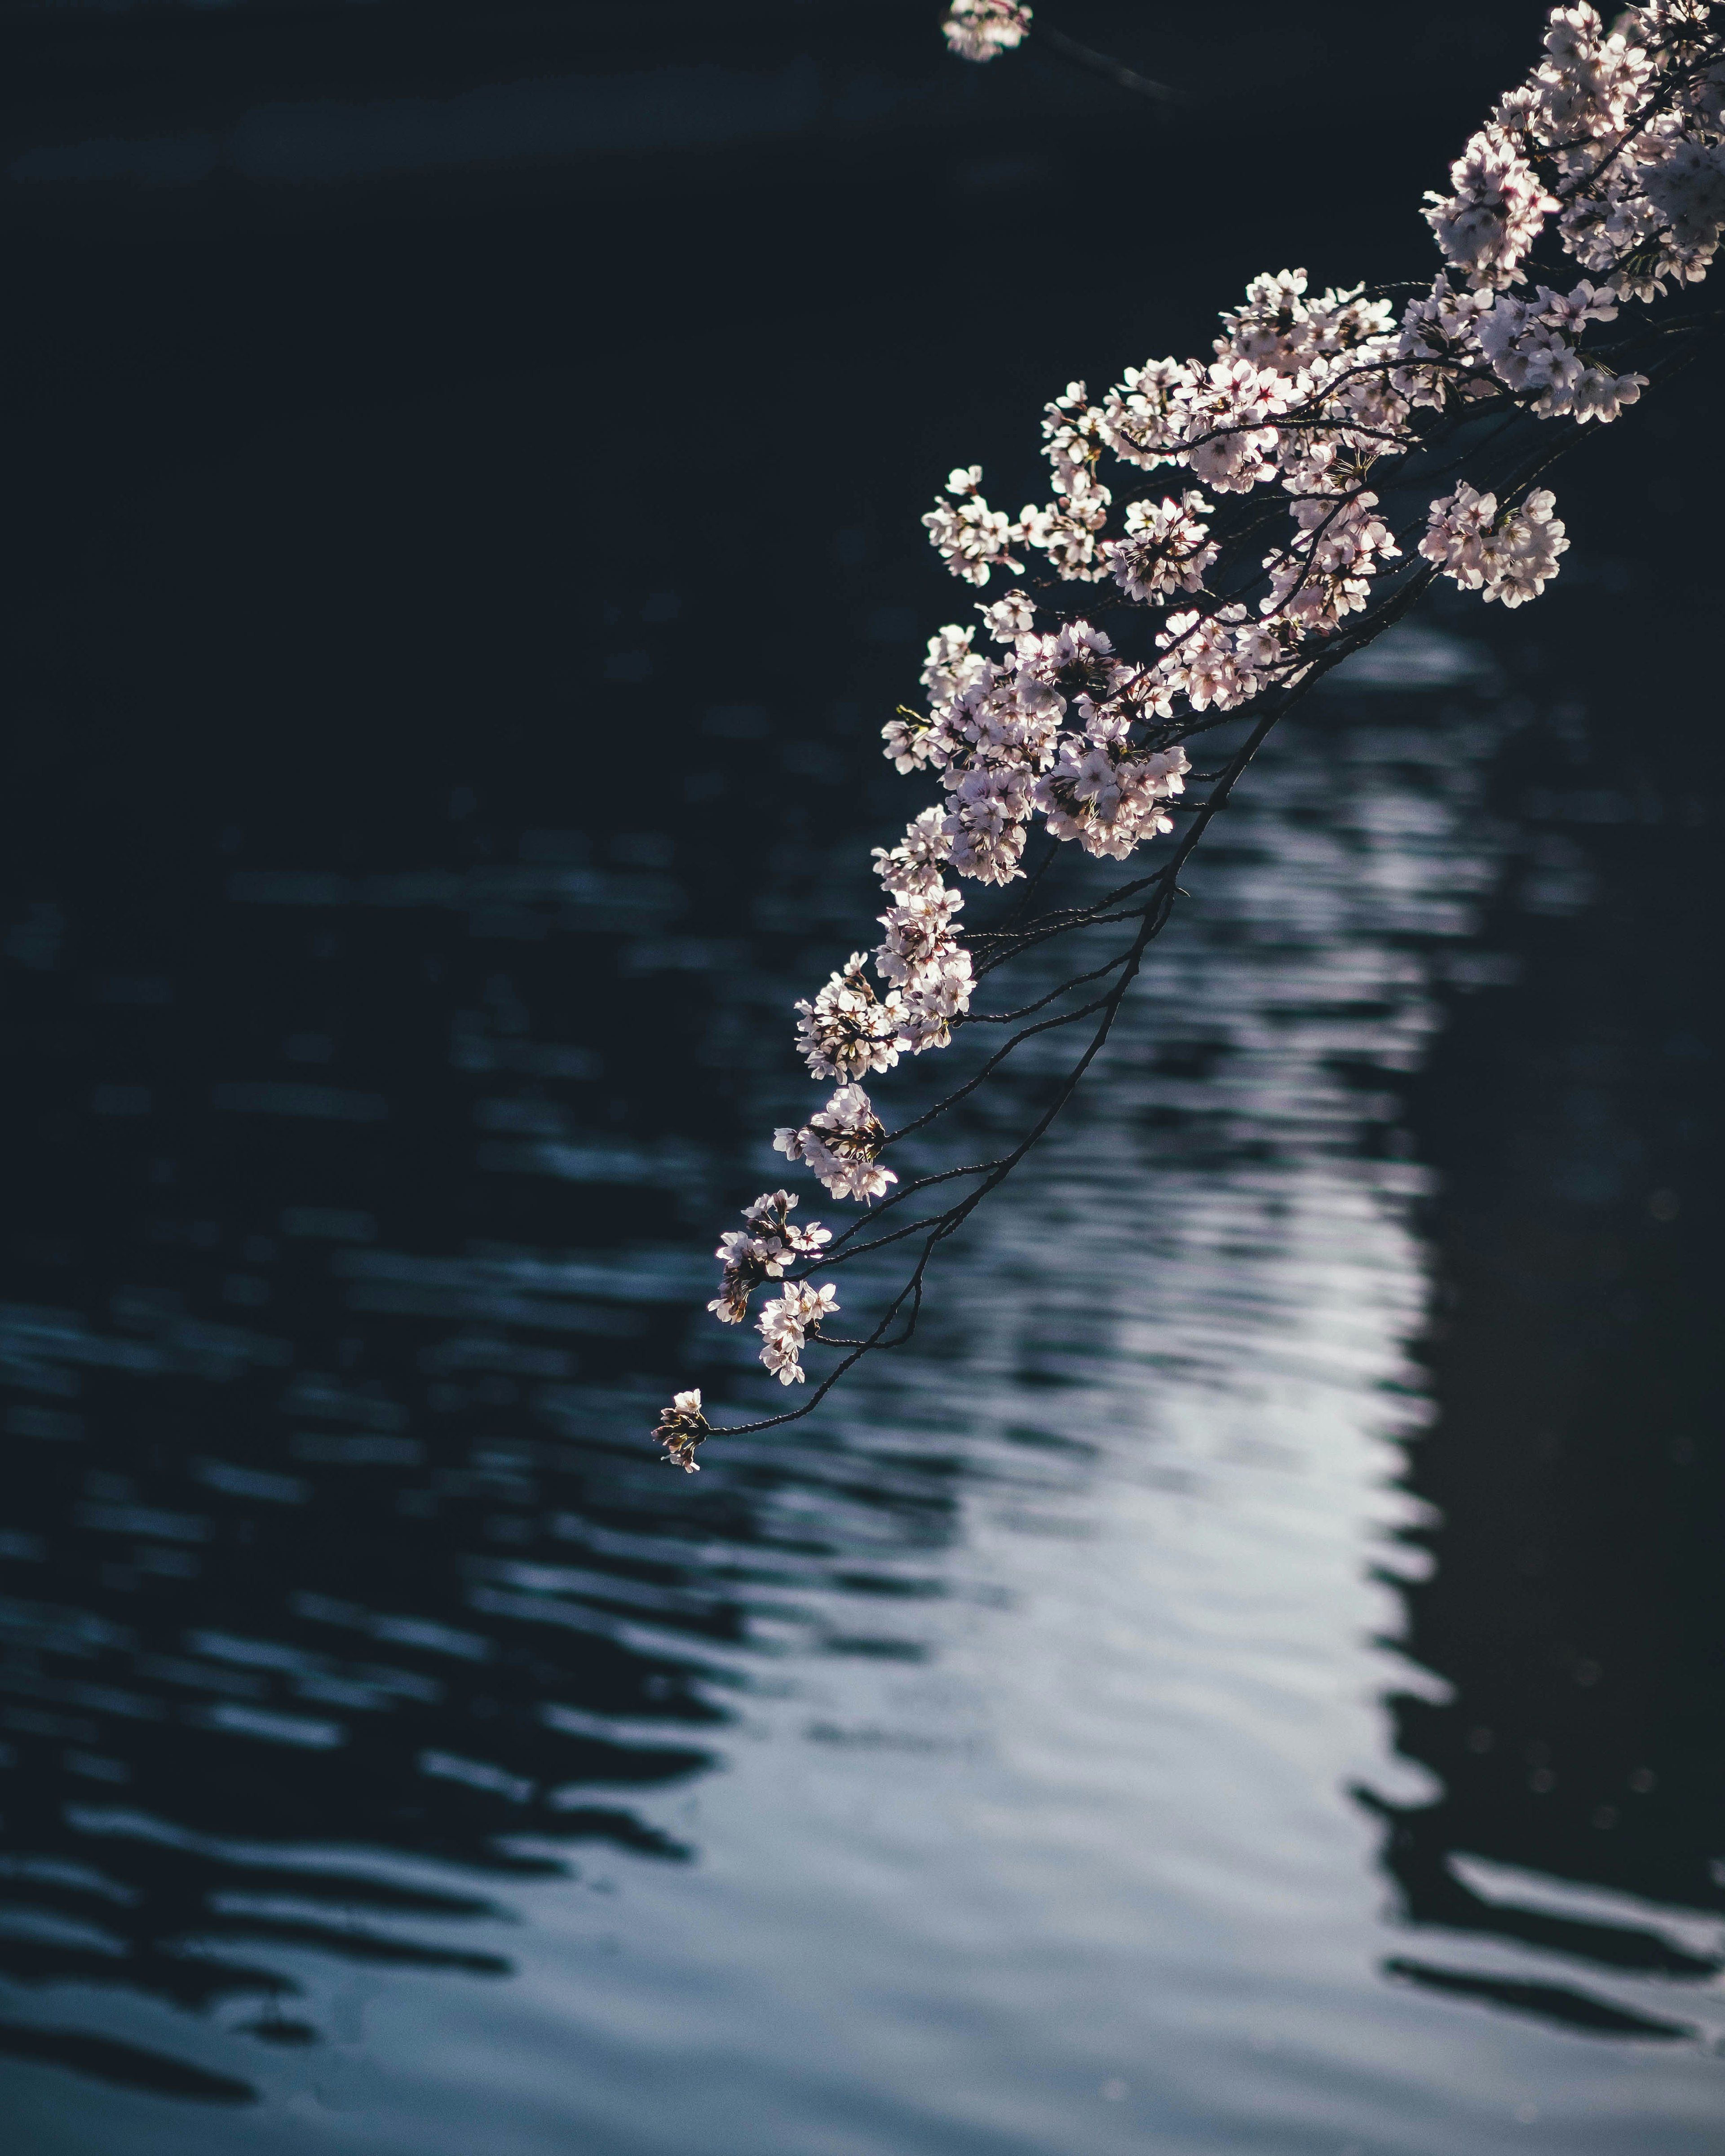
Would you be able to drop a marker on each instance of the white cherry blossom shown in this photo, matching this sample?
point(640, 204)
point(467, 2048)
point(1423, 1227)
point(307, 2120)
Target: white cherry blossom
point(1166, 549)
point(847, 1030)
point(1008, 617)
point(1108, 800)
point(952, 666)
point(681, 1427)
point(986, 823)
point(1326, 573)
point(1278, 327)
point(1067, 529)
point(981, 29)
point(1144, 414)
point(1496, 213)
point(941, 993)
point(1532, 346)
point(1204, 660)
point(1687, 189)
point(761, 1251)
point(969, 537)
point(916, 862)
point(786, 1323)
point(1588, 82)
point(1228, 443)
point(839, 1143)
point(1438, 348)
point(919, 934)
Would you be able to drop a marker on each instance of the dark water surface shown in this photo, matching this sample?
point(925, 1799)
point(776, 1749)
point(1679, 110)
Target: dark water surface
point(1250, 1678)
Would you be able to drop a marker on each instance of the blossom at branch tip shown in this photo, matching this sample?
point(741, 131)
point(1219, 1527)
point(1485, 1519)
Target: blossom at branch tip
point(970, 537)
point(1067, 528)
point(841, 1143)
point(1143, 414)
point(1509, 554)
point(1586, 86)
point(980, 29)
point(913, 743)
point(681, 1427)
point(952, 664)
point(760, 1251)
point(1625, 125)
point(1074, 431)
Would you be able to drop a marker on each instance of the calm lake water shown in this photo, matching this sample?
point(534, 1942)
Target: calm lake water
point(1248, 1679)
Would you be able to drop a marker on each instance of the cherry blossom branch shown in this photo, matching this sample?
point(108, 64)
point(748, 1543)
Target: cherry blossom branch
point(1616, 142)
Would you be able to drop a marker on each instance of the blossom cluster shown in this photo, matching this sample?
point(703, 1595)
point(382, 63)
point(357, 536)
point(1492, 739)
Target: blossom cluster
point(786, 1323)
point(681, 1427)
point(761, 1251)
point(1506, 554)
point(1034, 715)
point(1617, 134)
point(1532, 345)
point(979, 29)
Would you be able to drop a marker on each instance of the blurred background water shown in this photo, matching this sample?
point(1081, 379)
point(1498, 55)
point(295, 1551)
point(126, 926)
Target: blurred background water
point(1250, 1677)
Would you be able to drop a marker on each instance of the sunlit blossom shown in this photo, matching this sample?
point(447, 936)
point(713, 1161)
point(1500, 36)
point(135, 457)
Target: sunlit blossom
point(1509, 554)
point(786, 1324)
point(841, 1143)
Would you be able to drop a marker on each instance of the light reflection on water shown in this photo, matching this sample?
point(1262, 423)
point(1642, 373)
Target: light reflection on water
point(967, 1770)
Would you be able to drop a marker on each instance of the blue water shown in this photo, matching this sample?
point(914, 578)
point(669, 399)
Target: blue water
point(995, 1761)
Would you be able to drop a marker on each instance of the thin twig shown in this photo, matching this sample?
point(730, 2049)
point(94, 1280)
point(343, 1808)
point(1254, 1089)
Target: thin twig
point(1116, 71)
